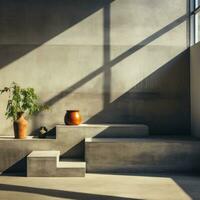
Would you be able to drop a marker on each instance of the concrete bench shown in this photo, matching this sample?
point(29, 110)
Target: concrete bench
point(141, 155)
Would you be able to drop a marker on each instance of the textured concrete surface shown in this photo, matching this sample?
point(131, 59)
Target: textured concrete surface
point(98, 187)
point(86, 55)
point(142, 155)
point(42, 163)
point(105, 130)
point(48, 164)
point(195, 94)
point(69, 141)
point(101, 131)
point(72, 137)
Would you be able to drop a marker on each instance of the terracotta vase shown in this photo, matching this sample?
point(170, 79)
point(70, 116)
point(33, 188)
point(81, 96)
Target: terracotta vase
point(20, 127)
point(72, 117)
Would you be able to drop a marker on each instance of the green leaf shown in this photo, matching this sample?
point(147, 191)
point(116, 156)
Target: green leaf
point(22, 100)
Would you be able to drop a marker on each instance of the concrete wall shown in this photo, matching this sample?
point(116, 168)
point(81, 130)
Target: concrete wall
point(195, 94)
point(120, 61)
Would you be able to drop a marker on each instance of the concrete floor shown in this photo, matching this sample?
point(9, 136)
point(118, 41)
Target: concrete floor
point(100, 186)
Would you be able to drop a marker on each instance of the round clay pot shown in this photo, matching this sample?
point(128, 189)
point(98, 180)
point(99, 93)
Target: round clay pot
point(72, 117)
point(20, 127)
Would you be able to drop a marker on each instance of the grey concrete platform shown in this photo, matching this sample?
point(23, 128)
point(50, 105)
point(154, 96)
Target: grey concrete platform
point(69, 140)
point(44, 154)
point(47, 164)
point(142, 155)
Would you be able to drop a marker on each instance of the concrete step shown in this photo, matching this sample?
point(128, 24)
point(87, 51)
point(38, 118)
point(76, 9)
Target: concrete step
point(141, 155)
point(47, 164)
point(73, 168)
point(42, 163)
point(74, 136)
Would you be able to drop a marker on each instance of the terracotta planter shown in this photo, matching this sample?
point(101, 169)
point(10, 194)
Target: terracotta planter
point(20, 127)
point(72, 117)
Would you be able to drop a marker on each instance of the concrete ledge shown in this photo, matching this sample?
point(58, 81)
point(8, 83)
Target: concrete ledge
point(105, 130)
point(28, 138)
point(44, 154)
point(146, 139)
point(103, 125)
point(142, 155)
point(71, 164)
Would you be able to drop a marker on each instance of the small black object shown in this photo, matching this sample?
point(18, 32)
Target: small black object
point(42, 132)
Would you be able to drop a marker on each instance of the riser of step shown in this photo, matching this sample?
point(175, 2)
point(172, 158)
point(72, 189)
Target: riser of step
point(102, 131)
point(69, 172)
point(141, 155)
point(37, 167)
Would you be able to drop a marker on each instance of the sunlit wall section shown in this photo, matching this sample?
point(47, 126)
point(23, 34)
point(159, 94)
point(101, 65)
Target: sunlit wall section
point(149, 65)
point(118, 61)
point(147, 34)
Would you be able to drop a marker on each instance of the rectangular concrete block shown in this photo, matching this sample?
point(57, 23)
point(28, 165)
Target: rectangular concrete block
point(42, 163)
point(142, 155)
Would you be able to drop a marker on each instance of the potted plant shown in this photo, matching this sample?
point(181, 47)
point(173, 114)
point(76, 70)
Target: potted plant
point(22, 102)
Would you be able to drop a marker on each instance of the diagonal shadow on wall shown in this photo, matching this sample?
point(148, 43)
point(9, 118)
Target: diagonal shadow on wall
point(161, 100)
point(146, 103)
point(116, 60)
point(27, 24)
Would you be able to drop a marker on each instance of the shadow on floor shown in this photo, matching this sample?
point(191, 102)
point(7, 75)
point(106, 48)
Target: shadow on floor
point(188, 181)
point(192, 188)
point(60, 193)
